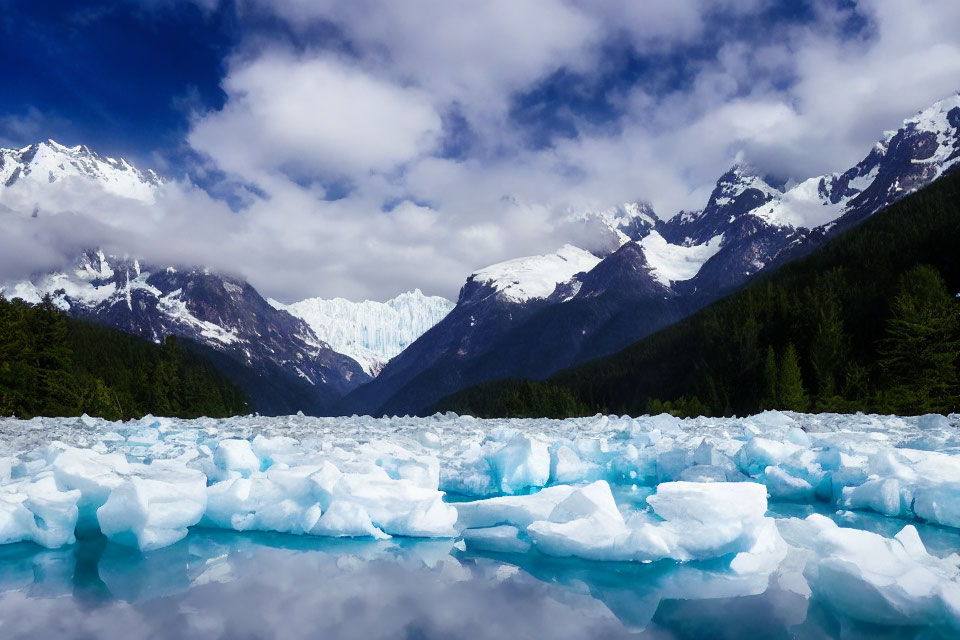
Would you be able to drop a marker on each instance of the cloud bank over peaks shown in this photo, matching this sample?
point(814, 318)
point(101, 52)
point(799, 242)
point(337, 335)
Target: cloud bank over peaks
point(374, 146)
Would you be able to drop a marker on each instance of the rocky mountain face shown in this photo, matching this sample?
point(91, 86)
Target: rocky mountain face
point(533, 316)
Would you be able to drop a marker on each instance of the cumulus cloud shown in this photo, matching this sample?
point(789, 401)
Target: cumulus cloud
point(475, 53)
point(354, 194)
point(313, 115)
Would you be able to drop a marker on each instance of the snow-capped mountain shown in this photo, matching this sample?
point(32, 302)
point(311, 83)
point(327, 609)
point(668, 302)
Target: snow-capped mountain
point(509, 323)
point(738, 193)
point(730, 232)
point(275, 357)
point(370, 332)
point(49, 162)
point(526, 317)
point(927, 146)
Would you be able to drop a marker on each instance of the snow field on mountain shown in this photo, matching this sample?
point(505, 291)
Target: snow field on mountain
point(604, 489)
point(523, 279)
point(803, 205)
point(936, 120)
point(674, 263)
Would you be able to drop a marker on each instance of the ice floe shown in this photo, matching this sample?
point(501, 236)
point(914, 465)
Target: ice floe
point(892, 581)
point(604, 489)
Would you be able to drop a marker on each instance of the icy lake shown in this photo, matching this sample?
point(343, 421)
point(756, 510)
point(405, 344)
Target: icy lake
point(775, 526)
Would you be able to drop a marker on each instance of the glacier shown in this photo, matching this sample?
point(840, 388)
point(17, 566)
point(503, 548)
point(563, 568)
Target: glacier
point(856, 514)
point(370, 332)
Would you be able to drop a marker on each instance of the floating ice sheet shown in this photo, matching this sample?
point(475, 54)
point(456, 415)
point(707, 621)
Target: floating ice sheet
point(701, 493)
point(282, 474)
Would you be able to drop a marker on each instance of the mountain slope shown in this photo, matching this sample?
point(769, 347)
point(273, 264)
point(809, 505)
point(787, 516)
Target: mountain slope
point(275, 358)
point(869, 324)
point(370, 332)
point(668, 271)
point(290, 368)
point(490, 304)
point(51, 365)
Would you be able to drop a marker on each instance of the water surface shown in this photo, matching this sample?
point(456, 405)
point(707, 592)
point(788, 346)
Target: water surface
point(218, 584)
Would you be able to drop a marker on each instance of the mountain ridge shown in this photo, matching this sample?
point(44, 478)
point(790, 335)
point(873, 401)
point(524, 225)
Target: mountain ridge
point(523, 317)
point(838, 312)
point(222, 313)
point(753, 226)
point(49, 162)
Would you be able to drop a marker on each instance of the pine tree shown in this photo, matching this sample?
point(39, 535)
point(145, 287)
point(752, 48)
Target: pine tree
point(769, 398)
point(53, 366)
point(826, 344)
point(791, 393)
point(53, 357)
point(95, 398)
point(19, 375)
point(920, 350)
point(165, 384)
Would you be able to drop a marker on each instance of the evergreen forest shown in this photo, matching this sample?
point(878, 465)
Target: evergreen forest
point(53, 365)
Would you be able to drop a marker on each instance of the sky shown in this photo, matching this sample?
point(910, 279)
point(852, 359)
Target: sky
point(362, 148)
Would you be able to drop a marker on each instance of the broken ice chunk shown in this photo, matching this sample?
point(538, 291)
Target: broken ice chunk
point(154, 505)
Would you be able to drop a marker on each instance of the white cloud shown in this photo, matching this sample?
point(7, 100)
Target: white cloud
point(663, 23)
point(476, 53)
point(802, 101)
point(313, 114)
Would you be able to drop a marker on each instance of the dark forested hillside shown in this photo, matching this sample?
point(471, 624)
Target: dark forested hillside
point(52, 365)
point(869, 322)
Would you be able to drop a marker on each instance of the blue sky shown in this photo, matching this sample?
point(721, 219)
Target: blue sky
point(109, 74)
point(336, 141)
point(125, 77)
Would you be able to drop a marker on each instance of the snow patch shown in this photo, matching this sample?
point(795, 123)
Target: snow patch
point(534, 277)
point(801, 206)
point(673, 263)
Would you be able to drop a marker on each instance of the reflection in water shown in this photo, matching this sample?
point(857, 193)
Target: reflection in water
point(939, 541)
point(217, 584)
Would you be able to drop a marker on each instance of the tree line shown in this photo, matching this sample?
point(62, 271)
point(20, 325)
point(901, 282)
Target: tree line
point(53, 365)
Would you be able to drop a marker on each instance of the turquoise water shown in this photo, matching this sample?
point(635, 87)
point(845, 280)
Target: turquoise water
point(217, 584)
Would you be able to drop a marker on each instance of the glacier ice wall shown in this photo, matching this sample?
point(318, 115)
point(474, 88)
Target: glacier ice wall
point(371, 332)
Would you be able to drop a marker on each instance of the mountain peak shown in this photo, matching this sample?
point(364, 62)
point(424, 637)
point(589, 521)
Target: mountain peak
point(738, 192)
point(608, 229)
point(738, 169)
point(739, 178)
point(49, 162)
point(65, 149)
point(936, 117)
